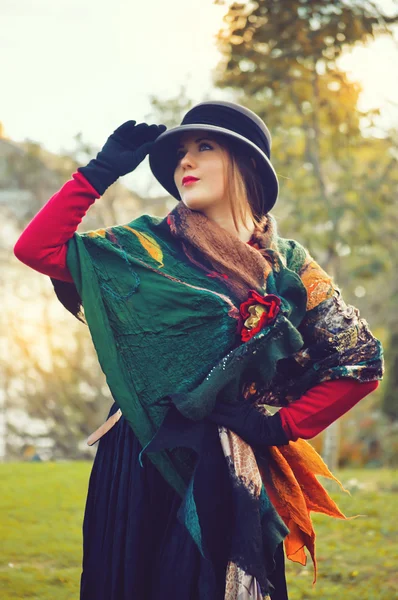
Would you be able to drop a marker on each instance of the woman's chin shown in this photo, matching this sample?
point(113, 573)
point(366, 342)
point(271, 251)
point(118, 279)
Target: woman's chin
point(195, 203)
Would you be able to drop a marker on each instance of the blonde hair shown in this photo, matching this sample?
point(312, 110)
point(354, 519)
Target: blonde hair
point(243, 203)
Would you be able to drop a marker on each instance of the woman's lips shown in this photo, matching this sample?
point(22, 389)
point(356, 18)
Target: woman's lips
point(189, 181)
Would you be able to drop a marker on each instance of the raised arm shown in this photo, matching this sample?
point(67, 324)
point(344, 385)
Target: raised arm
point(43, 244)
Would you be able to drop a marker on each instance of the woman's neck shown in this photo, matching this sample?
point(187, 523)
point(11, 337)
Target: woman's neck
point(226, 222)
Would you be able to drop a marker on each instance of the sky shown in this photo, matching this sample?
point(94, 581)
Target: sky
point(87, 66)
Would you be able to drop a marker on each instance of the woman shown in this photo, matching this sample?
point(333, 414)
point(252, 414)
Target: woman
point(199, 320)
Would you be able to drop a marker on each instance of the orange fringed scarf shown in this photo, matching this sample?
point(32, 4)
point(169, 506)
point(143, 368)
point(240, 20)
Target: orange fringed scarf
point(294, 491)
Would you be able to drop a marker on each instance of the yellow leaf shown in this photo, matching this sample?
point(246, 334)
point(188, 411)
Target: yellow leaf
point(97, 232)
point(150, 245)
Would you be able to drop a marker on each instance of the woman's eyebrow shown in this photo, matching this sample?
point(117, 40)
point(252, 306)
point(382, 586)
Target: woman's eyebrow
point(197, 141)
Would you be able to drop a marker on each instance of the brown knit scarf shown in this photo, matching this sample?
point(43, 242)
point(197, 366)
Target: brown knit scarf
point(240, 265)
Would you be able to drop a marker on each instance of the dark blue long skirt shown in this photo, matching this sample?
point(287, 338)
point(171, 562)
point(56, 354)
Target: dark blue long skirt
point(134, 548)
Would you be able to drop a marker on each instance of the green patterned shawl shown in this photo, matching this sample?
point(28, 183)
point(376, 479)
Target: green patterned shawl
point(162, 325)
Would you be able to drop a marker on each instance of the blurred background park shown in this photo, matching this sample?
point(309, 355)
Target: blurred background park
point(324, 77)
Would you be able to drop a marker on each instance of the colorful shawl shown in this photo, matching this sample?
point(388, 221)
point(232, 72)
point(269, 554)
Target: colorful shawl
point(165, 301)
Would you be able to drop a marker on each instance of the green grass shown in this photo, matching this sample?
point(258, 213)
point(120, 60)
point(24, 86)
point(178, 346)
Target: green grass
point(42, 507)
point(357, 559)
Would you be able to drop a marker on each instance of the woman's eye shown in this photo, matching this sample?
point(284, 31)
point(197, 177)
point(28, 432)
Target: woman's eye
point(180, 153)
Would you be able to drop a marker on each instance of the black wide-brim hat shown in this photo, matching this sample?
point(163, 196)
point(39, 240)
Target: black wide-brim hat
point(240, 125)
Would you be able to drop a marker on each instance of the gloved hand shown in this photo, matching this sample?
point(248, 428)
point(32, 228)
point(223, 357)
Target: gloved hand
point(123, 151)
point(255, 428)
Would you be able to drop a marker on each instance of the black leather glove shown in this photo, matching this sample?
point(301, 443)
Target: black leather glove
point(255, 428)
point(123, 151)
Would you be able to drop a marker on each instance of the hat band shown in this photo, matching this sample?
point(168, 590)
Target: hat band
point(228, 118)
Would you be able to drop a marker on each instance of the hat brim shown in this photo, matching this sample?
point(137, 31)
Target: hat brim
point(162, 160)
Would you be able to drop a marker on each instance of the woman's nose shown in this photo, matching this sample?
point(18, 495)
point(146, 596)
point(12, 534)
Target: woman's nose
point(187, 160)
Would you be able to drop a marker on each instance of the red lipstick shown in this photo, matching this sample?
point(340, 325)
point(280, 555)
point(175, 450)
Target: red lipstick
point(188, 180)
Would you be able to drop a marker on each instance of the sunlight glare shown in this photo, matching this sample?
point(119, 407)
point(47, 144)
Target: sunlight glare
point(373, 68)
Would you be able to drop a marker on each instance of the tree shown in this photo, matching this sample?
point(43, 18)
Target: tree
point(52, 375)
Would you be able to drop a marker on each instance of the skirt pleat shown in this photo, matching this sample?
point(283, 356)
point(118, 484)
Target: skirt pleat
point(133, 545)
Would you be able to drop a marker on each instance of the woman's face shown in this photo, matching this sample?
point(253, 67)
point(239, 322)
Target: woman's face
point(201, 157)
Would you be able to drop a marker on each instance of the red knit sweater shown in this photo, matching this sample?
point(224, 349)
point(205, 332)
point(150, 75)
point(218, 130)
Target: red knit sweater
point(43, 247)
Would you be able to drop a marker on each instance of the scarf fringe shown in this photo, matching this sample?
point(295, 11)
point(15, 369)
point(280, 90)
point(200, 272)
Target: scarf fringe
point(295, 492)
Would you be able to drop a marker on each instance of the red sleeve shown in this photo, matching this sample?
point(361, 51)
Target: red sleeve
point(43, 243)
point(322, 405)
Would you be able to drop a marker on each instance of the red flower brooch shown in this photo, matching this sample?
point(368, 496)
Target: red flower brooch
point(257, 312)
